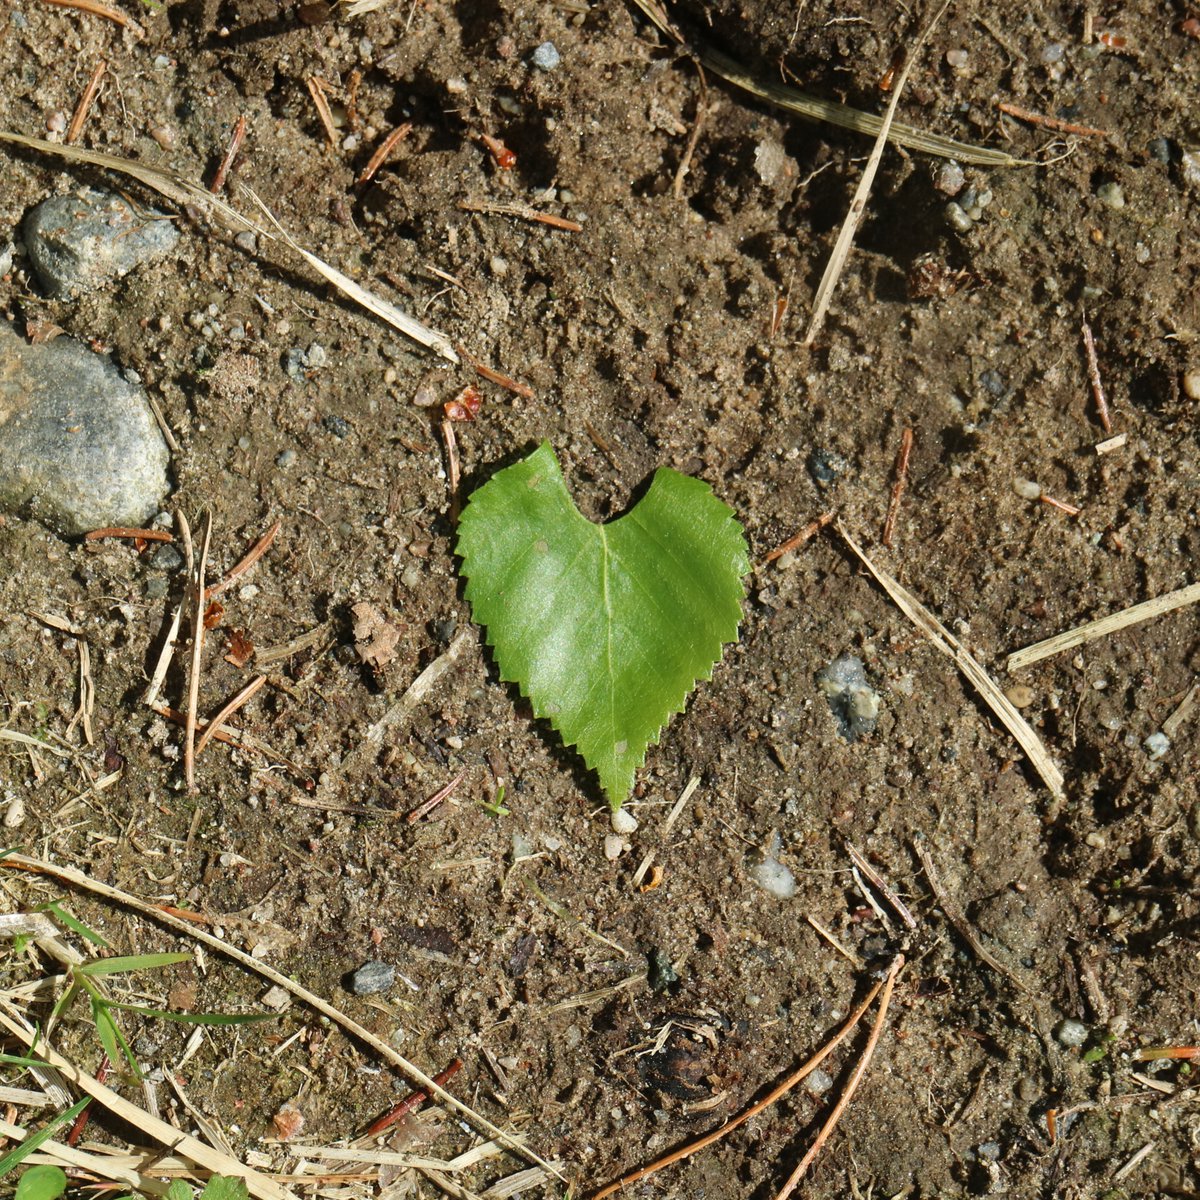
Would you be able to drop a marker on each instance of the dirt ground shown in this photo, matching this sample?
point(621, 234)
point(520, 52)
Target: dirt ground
point(655, 335)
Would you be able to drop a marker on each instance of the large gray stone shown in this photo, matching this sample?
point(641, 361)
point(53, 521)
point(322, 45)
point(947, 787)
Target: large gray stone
point(79, 446)
point(81, 240)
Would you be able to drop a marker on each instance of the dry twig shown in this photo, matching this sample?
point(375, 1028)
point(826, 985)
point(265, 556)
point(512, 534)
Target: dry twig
point(902, 457)
point(522, 212)
point(228, 710)
point(1059, 126)
point(1093, 368)
point(798, 539)
point(99, 10)
point(382, 151)
point(231, 153)
point(252, 556)
point(85, 103)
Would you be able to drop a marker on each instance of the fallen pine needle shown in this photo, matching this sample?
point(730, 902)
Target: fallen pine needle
point(184, 192)
point(385, 148)
point(193, 695)
point(858, 206)
point(523, 212)
point(979, 679)
point(98, 10)
point(780, 1089)
point(1059, 126)
point(797, 540)
point(244, 695)
point(85, 103)
point(252, 556)
point(359, 1032)
point(902, 457)
point(1103, 626)
point(843, 1103)
point(126, 531)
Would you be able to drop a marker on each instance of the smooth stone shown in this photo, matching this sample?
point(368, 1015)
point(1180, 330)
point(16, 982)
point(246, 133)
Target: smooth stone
point(79, 241)
point(79, 446)
point(371, 978)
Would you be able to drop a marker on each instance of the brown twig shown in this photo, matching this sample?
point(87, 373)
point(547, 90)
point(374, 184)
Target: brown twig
point(452, 470)
point(1061, 505)
point(316, 89)
point(1059, 126)
point(252, 556)
point(881, 886)
point(426, 807)
point(851, 1087)
point(780, 1089)
point(80, 1122)
point(685, 163)
point(1093, 367)
point(385, 148)
point(193, 697)
point(501, 380)
point(231, 152)
point(96, 9)
point(127, 531)
point(240, 699)
point(85, 103)
point(797, 540)
point(889, 524)
point(523, 212)
point(411, 1102)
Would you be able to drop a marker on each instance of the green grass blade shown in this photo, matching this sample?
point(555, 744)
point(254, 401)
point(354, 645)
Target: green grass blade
point(56, 910)
point(132, 962)
point(194, 1018)
point(16, 1156)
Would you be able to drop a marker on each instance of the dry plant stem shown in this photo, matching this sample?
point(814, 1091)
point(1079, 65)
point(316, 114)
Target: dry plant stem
point(240, 699)
point(97, 1165)
point(189, 729)
point(126, 531)
point(1102, 627)
point(411, 1102)
point(881, 886)
point(1186, 707)
point(252, 556)
point(1093, 368)
point(363, 1035)
point(499, 378)
point(184, 192)
point(452, 470)
point(851, 1087)
point(816, 109)
point(384, 148)
point(85, 103)
point(258, 1185)
point(780, 1089)
point(438, 797)
point(97, 10)
point(164, 659)
point(957, 918)
point(522, 212)
point(979, 679)
point(235, 144)
point(889, 524)
point(1050, 502)
point(1059, 126)
point(841, 248)
point(685, 163)
point(797, 540)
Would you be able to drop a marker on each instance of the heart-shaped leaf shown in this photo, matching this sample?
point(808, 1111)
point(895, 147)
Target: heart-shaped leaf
point(605, 628)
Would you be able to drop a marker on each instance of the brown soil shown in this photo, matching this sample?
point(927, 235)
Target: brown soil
point(646, 340)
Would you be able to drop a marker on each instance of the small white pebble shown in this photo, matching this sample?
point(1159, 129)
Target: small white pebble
point(456, 85)
point(1096, 840)
point(957, 60)
point(614, 845)
point(623, 821)
point(1191, 385)
point(1157, 744)
point(1071, 1033)
point(14, 814)
point(1027, 489)
point(774, 877)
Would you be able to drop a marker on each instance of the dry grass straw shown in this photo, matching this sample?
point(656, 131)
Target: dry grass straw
point(832, 113)
point(183, 192)
point(858, 206)
point(979, 679)
point(1081, 634)
point(156, 913)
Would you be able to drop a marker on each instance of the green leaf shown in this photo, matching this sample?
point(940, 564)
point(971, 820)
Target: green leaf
point(41, 1183)
point(132, 962)
point(225, 1187)
point(178, 1189)
point(605, 628)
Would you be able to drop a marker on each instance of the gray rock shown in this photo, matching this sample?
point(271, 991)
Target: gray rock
point(852, 700)
point(79, 446)
point(79, 241)
point(372, 977)
point(546, 57)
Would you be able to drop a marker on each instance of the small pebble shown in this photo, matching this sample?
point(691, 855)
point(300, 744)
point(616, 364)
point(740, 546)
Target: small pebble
point(614, 846)
point(371, 978)
point(1159, 149)
point(1189, 162)
point(851, 699)
point(456, 85)
point(1020, 695)
point(623, 821)
point(1156, 745)
point(957, 60)
point(1027, 489)
point(957, 218)
point(819, 1082)
point(14, 814)
point(1191, 385)
point(276, 998)
point(1071, 1033)
point(949, 178)
point(1053, 52)
point(166, 559)
point(546, 57)
point(285, 458)
point(1111, 194)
